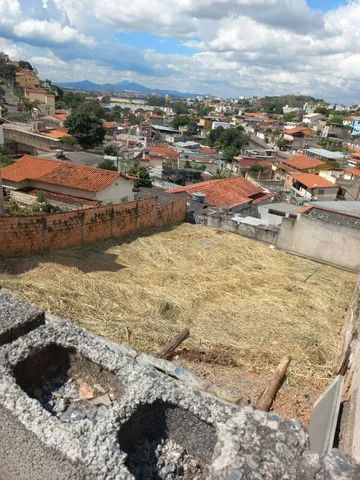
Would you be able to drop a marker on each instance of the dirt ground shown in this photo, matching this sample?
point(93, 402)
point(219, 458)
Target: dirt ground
point(246, 305)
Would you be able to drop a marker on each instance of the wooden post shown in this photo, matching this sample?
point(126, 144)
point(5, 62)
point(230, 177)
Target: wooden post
point(170, 348)
point(266, 399)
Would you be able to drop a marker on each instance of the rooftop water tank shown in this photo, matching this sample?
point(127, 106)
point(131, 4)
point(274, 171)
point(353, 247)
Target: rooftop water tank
point(199, 197)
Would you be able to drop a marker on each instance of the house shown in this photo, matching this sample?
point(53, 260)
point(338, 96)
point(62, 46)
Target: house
point(311, 119)
point(309, 186)
point(298, 163)
point(64, 182)
point(352, 173)
point(46, 100)
point(27, 79)
point(298, 137)
point(234, 193)
point(111, 128)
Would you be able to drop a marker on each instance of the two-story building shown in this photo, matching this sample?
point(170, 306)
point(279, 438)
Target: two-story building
point(309, 186)
point(46, 100)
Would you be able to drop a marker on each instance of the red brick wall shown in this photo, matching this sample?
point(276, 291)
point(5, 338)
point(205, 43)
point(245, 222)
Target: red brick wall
point(42, 233)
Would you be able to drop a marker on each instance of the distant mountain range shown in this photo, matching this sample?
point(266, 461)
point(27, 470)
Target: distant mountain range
point(124, 86)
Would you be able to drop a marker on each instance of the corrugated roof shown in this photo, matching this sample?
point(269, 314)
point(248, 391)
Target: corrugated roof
point(332, 216)
point(225, 192)
point(57, 172)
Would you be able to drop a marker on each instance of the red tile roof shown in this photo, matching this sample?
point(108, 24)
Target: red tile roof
point(224, 192)
point(311, 180)
point(353, 171)
point(38, 90)
point(296, 130)
point(56, 133)
point(58, 172)
point(109, 124)
point(166, 151)
point(62, 116)
point(60, 197)
point(303, 162)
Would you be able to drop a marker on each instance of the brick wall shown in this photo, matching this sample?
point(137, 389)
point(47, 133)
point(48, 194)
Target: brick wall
point(42, 233)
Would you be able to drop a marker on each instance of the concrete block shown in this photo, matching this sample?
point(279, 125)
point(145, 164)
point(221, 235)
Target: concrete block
point(106, 412)
point(16, 317)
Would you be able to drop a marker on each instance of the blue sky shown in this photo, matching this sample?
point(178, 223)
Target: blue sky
point(224, 47)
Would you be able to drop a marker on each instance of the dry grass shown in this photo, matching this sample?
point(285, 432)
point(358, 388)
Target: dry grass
point(244, 303)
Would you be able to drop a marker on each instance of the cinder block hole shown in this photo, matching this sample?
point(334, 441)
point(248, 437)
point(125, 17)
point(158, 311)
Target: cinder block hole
point(163, 441)
point(68, 385)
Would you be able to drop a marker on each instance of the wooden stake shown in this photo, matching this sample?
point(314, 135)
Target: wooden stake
point(267, 397)
point(170, 348)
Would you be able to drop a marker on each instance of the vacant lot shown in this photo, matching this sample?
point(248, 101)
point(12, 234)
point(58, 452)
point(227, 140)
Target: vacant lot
point(246, 305)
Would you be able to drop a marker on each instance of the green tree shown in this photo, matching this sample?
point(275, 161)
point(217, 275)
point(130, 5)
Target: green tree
point(143, 177)
point(181, 121)
point(111, 149)
point(69, 141)
point(289, 116)
point(29, 105)
point(92, 107)
point(5, 160)
point(87, 129)
point(322, 110)
point(71, 100)
point(229, 153)
point(107, 165)
point(215, 135)
point(192, 128)
point(27, 66)
point(180, 108)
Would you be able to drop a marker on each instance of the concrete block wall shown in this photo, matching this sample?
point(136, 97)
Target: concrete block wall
point(111, 440)
point(43, 233)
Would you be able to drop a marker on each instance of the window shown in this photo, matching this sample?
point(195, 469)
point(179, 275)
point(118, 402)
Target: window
point(321, 192)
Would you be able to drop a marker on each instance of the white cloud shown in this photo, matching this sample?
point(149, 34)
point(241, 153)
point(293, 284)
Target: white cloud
point(50, 31)
point(9, 10)
point(242, 46)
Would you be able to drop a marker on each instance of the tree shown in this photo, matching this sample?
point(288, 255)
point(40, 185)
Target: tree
point(5, 160)
point(180, 108)
point(108, 165)
point(105, 99)
point(229, 153)
point(27, 66)
point(92, 107)
point(111, 149)
point(288, 116)
point(143, 177)
point(69, 141)
point(322, 110)
point(29, 105)
point(192, 129)
point(71, 100)
point(87, 129)
point(215, 135)
point(181, 121)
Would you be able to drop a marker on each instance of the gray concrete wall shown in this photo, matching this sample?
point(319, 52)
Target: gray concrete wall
point(335, 244)
point(267, 234)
